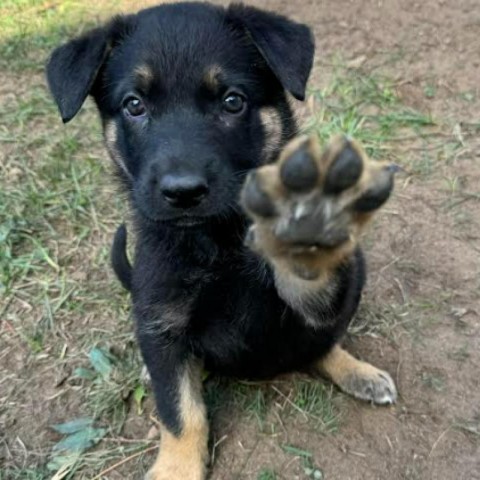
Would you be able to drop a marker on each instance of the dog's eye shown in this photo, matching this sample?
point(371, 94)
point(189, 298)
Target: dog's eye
point(234, 103)
point(134, 107)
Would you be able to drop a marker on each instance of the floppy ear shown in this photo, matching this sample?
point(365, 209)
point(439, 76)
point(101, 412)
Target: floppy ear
point(286, 46)
point(73, 67)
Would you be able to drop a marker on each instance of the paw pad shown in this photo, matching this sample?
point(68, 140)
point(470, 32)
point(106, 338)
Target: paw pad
point(377, 194)
point(345, 171)
point(255, 199)
point(299, 172)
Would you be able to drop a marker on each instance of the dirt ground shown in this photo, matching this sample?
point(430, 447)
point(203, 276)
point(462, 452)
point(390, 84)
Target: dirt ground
point(422, 298)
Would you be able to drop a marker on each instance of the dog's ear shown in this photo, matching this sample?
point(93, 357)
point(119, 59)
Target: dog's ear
point(73, 67)
point(287, 47)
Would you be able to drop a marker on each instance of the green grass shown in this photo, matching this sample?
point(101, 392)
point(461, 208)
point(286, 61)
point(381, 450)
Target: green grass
point(366, 107)
point(267, 474)
point(30, 29)
point(460, 354)
point(251, 398)
point(470, 426)
point(307, 461)
point(379, 320)
point(57, 213)
point(311, 402)
point(23, 474)
point(315, 401)
point(433, 380)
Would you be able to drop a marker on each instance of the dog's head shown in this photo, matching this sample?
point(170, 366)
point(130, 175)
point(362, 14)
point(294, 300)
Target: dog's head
point(181, 89)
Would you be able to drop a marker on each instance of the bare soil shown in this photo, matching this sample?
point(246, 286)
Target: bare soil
point(424, 281)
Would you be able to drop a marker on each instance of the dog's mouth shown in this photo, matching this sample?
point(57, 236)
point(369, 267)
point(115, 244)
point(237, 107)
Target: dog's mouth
point(185, 222)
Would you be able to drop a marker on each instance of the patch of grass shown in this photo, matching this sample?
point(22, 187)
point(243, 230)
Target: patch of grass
point(30, 29)
point(50, 182)
point(267, 474)
point(314, 399)
point(306, 457)
point(460, 355)
point(90, 464)
point(379, 320)
point(23, 474)
point(249, 398)
point(433, 380)
point(366, 107)
point(110, 392)
point(471, 427)
point(309, 400)
point(468, 96)
point(57, 213)
point(112, 388)
point(430, 90)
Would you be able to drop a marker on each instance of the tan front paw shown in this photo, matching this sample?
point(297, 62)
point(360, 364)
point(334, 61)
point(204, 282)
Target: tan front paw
point(177, 468)
point(360, 379)
point(371, 384)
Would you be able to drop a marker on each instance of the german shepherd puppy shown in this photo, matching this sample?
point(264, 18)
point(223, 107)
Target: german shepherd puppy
point(247, 260)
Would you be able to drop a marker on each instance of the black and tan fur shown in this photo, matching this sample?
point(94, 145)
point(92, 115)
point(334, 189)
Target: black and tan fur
point(247, 256)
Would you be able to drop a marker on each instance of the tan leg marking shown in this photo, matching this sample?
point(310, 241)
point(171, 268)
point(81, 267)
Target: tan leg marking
point(359, 379)
point(185, 457)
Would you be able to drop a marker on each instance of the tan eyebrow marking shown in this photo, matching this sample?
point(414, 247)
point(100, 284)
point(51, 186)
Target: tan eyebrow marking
point(211, 77)
point(144, 75)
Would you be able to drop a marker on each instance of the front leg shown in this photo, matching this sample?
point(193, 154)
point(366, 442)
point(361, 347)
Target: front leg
point(309, 210)
point(177, 386)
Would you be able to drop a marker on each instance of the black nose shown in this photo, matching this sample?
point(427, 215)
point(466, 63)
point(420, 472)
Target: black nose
point(183, 191)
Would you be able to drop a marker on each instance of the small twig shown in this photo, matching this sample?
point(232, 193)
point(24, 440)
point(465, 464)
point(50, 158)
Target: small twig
point(357, 454)
point(290, 402)
point(125, 460)
point(127, 440)
point(402, 290)
point(281, 422)
point(215, 445)
point(437, 441)
point(156, 422)
point(397, 373)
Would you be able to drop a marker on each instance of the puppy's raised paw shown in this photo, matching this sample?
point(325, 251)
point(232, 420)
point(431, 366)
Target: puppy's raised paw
point(310, 207)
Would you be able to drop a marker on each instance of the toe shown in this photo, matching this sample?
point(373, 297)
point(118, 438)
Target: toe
point(345, 170)
point(299, 172)
point(377, 194)
point(255, 199)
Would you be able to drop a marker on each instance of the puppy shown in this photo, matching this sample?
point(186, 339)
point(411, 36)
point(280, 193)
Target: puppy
point(247, 259)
